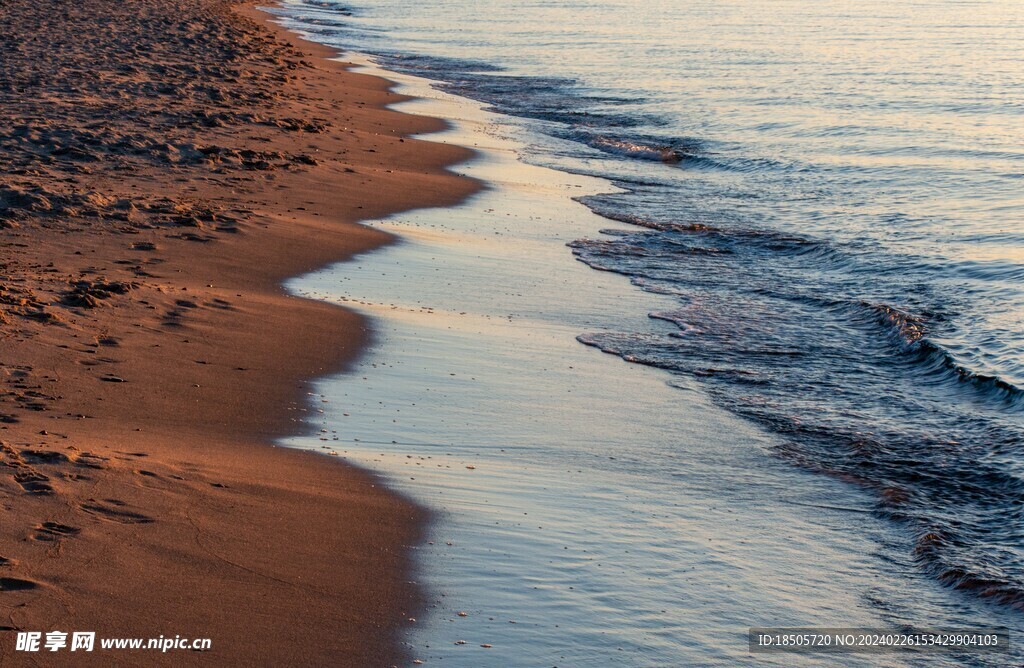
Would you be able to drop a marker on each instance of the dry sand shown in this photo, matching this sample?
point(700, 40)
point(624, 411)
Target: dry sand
point(167, 163)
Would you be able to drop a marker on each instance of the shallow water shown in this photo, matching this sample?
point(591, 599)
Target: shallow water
point(589, 511)
point(828, 194)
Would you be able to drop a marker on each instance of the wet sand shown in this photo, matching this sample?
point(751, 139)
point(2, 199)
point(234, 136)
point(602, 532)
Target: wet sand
point(167, 165)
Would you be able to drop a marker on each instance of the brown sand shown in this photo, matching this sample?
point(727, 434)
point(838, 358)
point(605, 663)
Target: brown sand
point(166, 164)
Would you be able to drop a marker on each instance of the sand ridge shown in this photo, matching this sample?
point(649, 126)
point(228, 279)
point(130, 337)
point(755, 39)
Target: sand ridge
point(167, 163)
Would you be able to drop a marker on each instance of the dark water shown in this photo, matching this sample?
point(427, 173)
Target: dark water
point(832, 194)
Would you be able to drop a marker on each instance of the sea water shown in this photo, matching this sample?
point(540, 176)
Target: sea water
point(815, 210)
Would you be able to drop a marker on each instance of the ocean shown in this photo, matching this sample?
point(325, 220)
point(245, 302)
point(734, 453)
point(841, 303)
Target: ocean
point(823, 203)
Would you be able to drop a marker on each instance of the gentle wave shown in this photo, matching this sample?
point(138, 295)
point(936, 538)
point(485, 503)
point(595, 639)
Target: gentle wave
point(629, 149)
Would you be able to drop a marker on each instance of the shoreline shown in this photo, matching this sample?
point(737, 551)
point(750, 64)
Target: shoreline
point(117, 521)
point(522, 423)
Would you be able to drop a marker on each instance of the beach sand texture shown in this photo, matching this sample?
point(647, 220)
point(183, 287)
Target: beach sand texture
point(167, 163)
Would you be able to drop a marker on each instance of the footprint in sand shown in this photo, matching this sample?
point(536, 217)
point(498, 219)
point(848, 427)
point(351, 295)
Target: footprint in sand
point(16, 584)
point(91, 460)
point(222, 304)
point(30, 480)
point(52, 531)
point(46, 456)
point(34, 482)
point(111, 511)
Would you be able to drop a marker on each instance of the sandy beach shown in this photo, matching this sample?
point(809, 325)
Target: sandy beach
point(167, 165)
point(481, 333)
